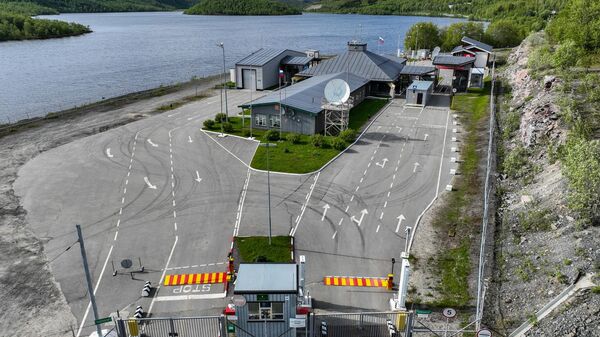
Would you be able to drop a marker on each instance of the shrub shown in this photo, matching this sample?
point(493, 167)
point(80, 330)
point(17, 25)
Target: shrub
point(317, 140)
point(220, 117)
point(271, 135)
point(536, 219)
point(230, 84)
point(338, 143)
point(293, 138)
point(504, 33)
point(246, 133)
point(540, 58)
point(348, 135)
point(227, 127)
point(209, 124)
point(515, 164)
point(567, 55)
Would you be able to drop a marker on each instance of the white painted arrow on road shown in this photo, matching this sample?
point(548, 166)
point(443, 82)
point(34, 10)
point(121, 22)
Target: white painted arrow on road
point(400, 218)
point(426, 135)
point(362, 215)
point(325, 208)
point(416, 165)
point(108, 154)
point(190, 139)
point(382, 164)
point(198, 179)
point(149, 184)
point(151, 143)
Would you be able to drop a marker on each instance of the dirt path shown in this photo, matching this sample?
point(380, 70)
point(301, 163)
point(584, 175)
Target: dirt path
point(31, 302)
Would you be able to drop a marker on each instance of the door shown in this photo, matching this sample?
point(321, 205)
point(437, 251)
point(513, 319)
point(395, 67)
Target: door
point(249, 79)
point(420, 98)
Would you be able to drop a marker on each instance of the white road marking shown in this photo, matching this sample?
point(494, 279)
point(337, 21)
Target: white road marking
point(116, 234)
point(293, 231)
point(391, 185)
point(174, 214)
point(151, 143)
point(334, 234)
point(175, 226)
point(190, 139)
point(362, 215)
point(352, 198)
point(189, 297)
point(127, 180)
point(381, 216)
point(325, 208)
point(123, 200)
point(382, 164)
point(357, 187)
point(347, 207)
point(340, 223)
point(389, 194)
point(108, 154)
point(369, 165)
point(400, 218)
point(118, 222)
point(236, 228)
point(416, 166)
point(361, 179)
point(426, 135)
point(377, 230)
point(163, 275)
point(385, 204)
point(364, 173)
point(173, 202)
point(198, 179)
point(149, 184)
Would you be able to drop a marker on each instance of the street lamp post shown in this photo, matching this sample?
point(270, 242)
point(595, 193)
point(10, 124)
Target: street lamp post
point(222, 46)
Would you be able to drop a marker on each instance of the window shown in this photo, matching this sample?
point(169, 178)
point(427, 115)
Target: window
point(260, 120)
point(265, 311)
point(275, 121)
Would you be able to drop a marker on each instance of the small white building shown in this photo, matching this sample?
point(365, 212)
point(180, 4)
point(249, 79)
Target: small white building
point(419, 92)
point(260, 70)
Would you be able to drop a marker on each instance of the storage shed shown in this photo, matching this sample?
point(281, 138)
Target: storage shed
point(271, 294)
point(419, 92)
point(260, 70)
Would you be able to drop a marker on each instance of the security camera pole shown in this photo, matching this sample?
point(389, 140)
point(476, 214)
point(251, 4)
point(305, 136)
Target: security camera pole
point(89, 279)
point(222, 46)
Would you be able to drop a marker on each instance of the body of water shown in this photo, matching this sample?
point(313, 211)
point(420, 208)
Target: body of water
point(129, 52)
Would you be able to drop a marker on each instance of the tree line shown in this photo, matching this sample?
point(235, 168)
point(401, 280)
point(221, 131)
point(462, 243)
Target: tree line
point(22, 27)
point(246, 7)
point(92, 6)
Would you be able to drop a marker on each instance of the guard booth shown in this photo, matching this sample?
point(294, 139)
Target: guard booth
point(419, 92)
point(270, 291)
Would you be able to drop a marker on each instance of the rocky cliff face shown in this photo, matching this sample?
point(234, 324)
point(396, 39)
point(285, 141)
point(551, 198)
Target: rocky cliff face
point(539, 248)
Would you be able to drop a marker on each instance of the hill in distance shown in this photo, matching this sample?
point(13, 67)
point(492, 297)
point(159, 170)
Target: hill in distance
point(242, 7)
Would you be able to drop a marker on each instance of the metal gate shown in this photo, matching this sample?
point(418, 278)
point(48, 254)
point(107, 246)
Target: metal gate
point(213, 326)
point(365, 324)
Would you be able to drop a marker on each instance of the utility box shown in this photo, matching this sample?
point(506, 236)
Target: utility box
point(271, 293)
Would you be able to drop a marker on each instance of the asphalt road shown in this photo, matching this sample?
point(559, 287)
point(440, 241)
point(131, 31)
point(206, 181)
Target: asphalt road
point(163, 194)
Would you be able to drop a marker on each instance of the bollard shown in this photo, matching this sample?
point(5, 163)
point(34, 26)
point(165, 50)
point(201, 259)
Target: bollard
point(139, 312)
point(147, 289)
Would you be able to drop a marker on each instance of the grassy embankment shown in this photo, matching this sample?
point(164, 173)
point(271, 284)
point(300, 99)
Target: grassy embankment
point(257, 249)
point(302, 156)
point(460, 215)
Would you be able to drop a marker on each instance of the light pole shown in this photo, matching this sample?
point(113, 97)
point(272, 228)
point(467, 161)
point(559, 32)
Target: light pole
point(88, 278)
point(222, 46)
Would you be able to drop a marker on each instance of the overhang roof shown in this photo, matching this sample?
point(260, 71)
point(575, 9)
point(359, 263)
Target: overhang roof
point(420, 85)
point(266, 278)
point(307, 95)
point(449, 60)
point(262, 56)
point(363, 63)
point(459, 49)
point(296, 60)
point(480, 45)
point(417, 70)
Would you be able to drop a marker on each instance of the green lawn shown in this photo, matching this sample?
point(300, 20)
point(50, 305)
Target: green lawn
point(303, 157)
point(457, 216)
point(365, 110)
point(256, 248)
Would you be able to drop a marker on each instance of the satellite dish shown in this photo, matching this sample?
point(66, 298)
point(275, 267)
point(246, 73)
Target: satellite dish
point(435, 52)
point(337, 91)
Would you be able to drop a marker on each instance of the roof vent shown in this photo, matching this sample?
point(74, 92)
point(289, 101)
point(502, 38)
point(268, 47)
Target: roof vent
point(357, 46)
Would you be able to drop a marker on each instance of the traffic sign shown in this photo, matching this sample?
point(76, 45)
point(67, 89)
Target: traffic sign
point(484, 333)
point(103, 320)
point(297, 322)
point(449, 312)
point(239, 300)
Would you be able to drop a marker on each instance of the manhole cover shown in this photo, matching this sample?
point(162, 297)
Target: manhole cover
point(126, 263)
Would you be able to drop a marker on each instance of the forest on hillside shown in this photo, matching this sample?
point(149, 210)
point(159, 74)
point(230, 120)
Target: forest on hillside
point(247, 7)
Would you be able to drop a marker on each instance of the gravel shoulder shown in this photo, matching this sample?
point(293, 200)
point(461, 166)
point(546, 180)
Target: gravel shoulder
point(31, 301)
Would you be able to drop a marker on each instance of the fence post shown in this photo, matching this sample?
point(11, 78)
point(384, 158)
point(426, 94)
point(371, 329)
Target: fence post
point(121, 328)
point(223, 326)
point(173, 333)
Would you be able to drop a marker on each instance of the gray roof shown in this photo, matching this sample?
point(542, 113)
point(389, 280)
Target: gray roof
point(452, 60)
point(420, 85)
point(307, 95)
point(263, 56)
point(266, 278)
point(296, 60)
point(416, 70)
point(478, 44)
point(365, 64)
